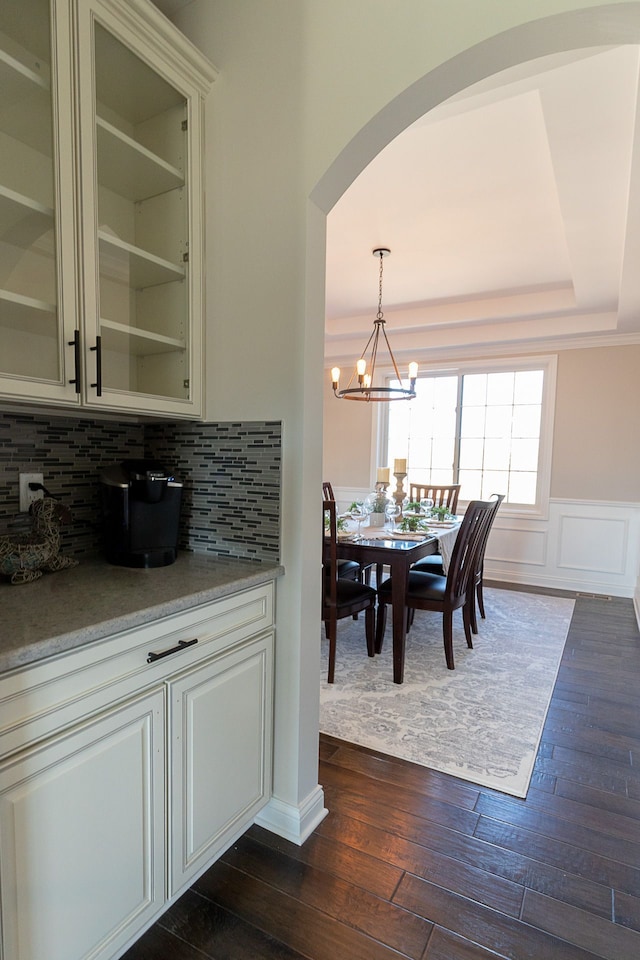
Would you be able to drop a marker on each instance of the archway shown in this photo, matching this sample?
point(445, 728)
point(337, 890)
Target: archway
point(610, 24)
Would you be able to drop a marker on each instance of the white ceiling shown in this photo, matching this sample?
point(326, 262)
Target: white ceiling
point(511, 215)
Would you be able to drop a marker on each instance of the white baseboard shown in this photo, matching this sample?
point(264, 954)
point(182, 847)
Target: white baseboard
point(497, 573)
point(294, 823)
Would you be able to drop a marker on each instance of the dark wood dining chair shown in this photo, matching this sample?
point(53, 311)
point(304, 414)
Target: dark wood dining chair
point(327, 490)
point(433, 564)
point(478, 575)
point(431, 591)
point(442, 496)
point(348, 569)
point(340, 597)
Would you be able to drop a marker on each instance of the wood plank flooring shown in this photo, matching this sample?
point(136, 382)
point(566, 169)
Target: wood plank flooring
point(414, 863)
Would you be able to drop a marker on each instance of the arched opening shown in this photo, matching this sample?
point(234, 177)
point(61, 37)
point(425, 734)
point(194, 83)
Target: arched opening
point(614, 24)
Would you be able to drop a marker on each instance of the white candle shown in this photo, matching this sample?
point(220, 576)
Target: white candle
point(383, 475)
point(399, 466)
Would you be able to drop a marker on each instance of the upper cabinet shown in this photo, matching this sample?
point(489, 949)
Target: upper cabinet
point(101, 207)
point(36, 290)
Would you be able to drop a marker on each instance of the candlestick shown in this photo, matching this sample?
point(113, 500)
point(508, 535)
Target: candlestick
point(400, 466)
point(398, 493)
point(383, 475)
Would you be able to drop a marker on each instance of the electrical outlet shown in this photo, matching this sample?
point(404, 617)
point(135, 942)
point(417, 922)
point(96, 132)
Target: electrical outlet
point(27, 496)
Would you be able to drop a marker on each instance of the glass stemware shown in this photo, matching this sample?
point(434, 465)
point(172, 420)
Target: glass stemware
point(392, 511)
point(426, 505)
point(359, 513)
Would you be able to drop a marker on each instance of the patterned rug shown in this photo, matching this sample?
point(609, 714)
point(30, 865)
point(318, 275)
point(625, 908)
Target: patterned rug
point(482, 721)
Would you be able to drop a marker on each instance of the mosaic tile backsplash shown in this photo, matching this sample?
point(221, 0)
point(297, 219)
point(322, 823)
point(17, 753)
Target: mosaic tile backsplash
point(230, 472)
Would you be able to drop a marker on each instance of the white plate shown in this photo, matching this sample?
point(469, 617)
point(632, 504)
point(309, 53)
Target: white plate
point(418, 535)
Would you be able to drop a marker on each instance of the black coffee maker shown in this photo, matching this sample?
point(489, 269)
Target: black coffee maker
point(141, 513)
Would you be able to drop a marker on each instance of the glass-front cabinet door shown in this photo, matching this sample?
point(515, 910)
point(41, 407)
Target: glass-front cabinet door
point(140, 155)
point(37, 197)
point(101, 274)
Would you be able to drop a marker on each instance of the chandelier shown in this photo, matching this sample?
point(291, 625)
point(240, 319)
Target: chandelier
point(365, 368)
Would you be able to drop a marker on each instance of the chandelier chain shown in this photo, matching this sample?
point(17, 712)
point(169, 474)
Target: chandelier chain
point(380, 316)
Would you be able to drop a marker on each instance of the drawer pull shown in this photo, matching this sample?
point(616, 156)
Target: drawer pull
point(152, 657)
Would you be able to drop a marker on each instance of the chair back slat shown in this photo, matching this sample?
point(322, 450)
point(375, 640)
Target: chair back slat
point(462, 564)
point(327, 490)
point(496, 500)
point(442, 496)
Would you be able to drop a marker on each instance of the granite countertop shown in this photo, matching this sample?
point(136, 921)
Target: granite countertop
point(64, 610)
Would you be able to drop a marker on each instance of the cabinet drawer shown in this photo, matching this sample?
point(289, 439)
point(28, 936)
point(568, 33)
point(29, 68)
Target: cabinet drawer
point(44, 697)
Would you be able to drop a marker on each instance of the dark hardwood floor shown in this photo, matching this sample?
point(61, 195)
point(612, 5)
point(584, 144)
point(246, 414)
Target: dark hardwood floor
point(414, 863)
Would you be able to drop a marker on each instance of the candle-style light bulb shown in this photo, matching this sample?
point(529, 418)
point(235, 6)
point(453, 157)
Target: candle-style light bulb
point(361, 366)
point(413, 370)
point(367, 381)
point(335, 377)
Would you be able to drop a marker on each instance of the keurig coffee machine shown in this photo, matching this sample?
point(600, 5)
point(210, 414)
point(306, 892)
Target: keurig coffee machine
point(141, 513)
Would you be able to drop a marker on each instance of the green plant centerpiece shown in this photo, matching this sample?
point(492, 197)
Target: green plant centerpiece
point(341, 523)
point(412, 524)
point(439, 512)
point(413, 506)
point(376, 504)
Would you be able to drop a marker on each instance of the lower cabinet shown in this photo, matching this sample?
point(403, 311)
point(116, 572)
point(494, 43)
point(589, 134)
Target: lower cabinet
point(82, 837)
point(105, 820)
point(221, 758)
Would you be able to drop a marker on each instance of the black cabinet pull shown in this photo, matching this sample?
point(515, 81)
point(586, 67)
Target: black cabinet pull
point(98, 352)
point(75, 343)
point(152, 657)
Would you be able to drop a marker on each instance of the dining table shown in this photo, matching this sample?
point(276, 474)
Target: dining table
point(381, 547)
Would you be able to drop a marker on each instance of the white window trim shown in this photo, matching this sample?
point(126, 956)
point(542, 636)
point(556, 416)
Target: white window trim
point(547, 362)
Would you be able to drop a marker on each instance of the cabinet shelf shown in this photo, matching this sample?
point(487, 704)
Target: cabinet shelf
point(135, 341)
point(129, 169)
point(17, 79)
point(27, 314)
point(128, 263)
point(22, 220)
point(25, 110)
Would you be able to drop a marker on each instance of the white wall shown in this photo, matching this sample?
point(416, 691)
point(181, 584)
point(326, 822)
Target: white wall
point(304, 99)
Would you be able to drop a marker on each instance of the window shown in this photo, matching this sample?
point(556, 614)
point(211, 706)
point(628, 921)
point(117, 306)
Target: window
point(488, 428)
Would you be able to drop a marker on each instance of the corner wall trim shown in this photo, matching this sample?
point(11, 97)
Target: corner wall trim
point(294, 823)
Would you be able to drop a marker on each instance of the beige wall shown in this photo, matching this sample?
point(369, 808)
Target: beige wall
point(596, 448)
point(347, 444)
point(596, 443)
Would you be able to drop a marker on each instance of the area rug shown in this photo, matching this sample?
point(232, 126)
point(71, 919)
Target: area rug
point(482, 721)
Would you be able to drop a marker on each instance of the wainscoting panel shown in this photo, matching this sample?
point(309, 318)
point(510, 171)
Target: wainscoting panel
point(595, 544)
point(591, 547)
point(517, 543)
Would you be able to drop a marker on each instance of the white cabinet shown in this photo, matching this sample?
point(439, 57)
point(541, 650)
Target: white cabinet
point(38, 290)
point(126, 767)
point(82, 827)
point(101, 196)
point(221, 715)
